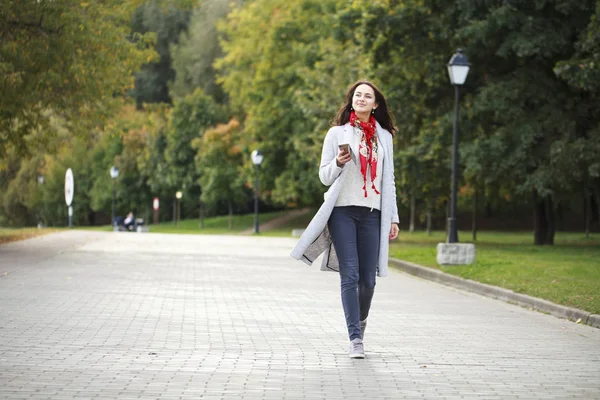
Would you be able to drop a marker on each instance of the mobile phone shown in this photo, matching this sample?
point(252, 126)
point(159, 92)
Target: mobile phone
point(344, 147)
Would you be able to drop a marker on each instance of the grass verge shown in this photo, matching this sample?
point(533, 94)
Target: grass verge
point(215, 225)
point(15, 234)
point(567, 273)
point(212, 225)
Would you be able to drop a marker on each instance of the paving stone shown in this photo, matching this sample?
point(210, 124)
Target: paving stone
point(217, 317)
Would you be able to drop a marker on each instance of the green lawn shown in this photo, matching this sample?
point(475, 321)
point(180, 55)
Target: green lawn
point(285, 229)
point(215, 225)
point(567, 273)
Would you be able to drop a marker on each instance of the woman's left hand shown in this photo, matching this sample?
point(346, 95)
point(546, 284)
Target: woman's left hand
point(394, 231)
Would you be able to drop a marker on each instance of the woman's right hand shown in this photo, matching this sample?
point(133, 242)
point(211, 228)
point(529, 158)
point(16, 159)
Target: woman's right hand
point(342, 158)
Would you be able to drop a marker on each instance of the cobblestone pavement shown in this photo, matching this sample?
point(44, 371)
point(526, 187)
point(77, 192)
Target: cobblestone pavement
point(125, 315)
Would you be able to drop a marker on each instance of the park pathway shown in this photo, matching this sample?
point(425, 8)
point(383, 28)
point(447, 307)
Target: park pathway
point(112, 315)
point(278, 222)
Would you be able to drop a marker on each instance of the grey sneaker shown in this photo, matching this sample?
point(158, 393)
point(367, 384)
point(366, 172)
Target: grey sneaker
point(363, 326)
point(356, 349)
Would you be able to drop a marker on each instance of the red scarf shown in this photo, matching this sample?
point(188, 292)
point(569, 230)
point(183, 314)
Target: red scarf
point(367, 148)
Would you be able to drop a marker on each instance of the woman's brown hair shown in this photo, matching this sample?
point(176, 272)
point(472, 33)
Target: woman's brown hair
point(382, 113)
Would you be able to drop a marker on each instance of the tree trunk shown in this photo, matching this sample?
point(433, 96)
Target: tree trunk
point(543, 221)
point(411, 227)
point(551, 218)
point(428, 220)
point(201, 215)
point(230, 205)
point(597, 198)
point(560, 220)
point(174, 210)
point(447, 208)
point(587, 212)
point(474, 228)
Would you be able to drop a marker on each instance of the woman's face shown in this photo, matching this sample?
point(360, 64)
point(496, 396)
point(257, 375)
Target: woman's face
point(363, 100)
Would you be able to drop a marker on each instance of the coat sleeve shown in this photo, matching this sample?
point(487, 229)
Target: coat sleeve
point(328, 170)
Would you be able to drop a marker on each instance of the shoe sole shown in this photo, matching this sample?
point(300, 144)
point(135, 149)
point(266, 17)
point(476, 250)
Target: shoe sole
point(356, 355)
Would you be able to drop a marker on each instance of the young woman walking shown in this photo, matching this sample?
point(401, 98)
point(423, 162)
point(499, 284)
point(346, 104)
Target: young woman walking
point(359, 215)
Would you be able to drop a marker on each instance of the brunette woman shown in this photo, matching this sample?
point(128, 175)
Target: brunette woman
point(359, 215)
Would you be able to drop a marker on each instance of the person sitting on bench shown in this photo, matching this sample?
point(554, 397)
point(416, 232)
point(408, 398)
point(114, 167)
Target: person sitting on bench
point(129, 221)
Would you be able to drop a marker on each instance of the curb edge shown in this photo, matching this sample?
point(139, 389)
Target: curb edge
point(507, 295)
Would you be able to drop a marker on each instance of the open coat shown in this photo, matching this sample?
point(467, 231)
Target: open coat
point(316, 239)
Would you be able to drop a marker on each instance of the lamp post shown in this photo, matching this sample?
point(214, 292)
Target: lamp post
point(257, 159)
point(458, 69)
point(114, 174)
point(178, 196)
point(40, 215)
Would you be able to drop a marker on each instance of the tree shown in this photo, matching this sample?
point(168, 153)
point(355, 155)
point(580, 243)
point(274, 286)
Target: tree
point(197, 50)
point(410, 42)
point(190, 117)
point(531, 119)
point(167, 23)
point(219, 163)
point(63, 58)
point(582, 71)
point(285, 74)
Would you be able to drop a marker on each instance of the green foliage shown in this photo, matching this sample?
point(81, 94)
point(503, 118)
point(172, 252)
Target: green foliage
point(54, 209)
point(198, 48)
point(63, 57)
point(528, 120)
point(190, 118)
point(219, 163)
point(166, 22)
point(268, 72)
point(532, 128)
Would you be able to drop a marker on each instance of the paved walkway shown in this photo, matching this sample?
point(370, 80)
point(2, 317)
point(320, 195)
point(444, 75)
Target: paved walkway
point(129, 316)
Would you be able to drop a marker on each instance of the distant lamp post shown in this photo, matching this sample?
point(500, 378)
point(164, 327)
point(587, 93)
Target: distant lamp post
point(458, 69)
point(40, 216)
point(178, 196)
point(114, 174)
point(257, 159)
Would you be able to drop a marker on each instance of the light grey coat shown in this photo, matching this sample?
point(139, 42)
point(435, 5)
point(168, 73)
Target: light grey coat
point(316, 238)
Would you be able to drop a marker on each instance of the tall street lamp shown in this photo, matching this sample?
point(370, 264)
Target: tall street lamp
point(40, 207)
point(458, 69)
point(178, 196)
point(114, 174)
point(257, 159)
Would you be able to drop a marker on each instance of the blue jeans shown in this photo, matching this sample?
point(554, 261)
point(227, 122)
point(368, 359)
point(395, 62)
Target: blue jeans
point(355, 233)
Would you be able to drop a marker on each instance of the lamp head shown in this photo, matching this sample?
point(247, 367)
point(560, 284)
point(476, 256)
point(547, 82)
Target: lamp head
point(458, 68)
point(257, 158)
